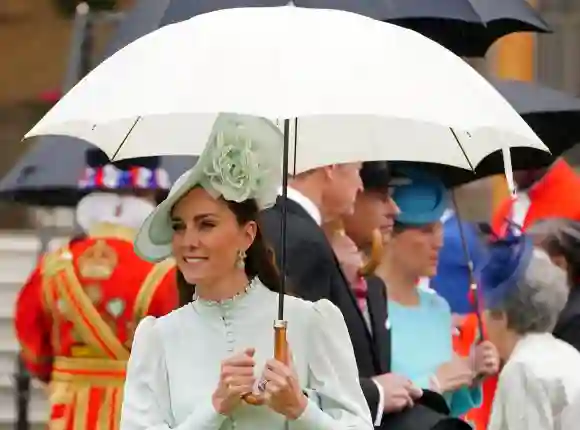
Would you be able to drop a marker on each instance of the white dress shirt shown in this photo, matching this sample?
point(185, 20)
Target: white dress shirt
point(305, 203)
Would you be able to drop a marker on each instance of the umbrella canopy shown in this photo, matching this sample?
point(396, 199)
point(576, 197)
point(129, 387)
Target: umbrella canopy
point(49, 173)
point(553, 115)
point(466, 27)
point(351, 102)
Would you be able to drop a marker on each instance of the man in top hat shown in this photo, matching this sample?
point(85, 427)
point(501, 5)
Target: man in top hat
point(76, 314)
point(315, 197)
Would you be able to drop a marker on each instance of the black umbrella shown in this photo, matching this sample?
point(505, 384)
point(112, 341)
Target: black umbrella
point(49, 172)
point(553, 115)
point(466, 27)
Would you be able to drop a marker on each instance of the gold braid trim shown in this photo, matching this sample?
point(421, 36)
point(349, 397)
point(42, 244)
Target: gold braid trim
point(149, 287)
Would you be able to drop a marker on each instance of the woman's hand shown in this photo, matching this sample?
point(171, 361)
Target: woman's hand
point(236, 379)
point(485, 359)
point(453, 375)
point(281, 389)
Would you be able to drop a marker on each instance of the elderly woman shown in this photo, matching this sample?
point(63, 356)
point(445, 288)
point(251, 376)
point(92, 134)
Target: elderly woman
point(560, 238)
point(420, 319)
point(192, 369)
point(523, 293)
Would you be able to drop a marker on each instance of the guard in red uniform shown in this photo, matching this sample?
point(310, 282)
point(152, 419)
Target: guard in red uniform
point(548, 193)
point(76, 315)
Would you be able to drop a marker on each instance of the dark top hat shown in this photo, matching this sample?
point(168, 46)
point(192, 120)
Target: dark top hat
point(379, 176)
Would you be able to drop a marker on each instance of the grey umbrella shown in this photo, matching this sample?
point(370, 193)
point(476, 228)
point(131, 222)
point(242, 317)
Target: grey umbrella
point(466, 27)
point(49, 172)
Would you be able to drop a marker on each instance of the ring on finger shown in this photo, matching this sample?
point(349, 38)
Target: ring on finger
point(262, 385)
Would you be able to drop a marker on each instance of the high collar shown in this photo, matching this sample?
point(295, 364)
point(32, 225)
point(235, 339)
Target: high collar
point(233, 307)
point(305, 203)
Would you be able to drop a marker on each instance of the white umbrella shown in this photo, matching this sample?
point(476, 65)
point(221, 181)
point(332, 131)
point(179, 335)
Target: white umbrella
point(363, 90)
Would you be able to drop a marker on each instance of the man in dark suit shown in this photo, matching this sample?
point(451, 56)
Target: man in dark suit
point(314, 272)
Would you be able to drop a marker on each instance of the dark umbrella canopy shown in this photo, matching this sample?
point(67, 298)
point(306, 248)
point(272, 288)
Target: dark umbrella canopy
point(142, 19)
point(466, 27)
point(553, 115)
point(49, 172)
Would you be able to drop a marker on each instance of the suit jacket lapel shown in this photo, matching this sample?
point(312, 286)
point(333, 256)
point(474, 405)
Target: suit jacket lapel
point(377, 306)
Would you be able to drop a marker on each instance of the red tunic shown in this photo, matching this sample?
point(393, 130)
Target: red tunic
point(555, 195)
point(75, 318)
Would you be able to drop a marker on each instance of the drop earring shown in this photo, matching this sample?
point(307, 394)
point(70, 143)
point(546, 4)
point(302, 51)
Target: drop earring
point(241, 259)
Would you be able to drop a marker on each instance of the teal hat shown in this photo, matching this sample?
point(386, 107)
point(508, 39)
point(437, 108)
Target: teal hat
point(422, 200)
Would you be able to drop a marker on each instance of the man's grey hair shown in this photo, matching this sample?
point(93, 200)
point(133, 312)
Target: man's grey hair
point(535, 303)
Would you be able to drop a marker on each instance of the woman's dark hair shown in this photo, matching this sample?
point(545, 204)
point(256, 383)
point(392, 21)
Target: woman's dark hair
point(561, 237)
point(260, 260)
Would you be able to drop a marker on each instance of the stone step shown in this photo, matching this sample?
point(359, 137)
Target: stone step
point(37, 409)
point(8, 295)
point(18, 255)
point(8, 341)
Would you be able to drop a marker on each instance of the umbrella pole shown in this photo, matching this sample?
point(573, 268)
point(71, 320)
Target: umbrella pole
point(280, 325)
point(472, 282)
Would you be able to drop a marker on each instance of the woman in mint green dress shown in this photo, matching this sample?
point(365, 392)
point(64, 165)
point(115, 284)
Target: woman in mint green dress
point(190, 369)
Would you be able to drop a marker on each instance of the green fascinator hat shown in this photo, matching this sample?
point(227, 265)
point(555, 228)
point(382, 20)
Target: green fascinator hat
point(242, 160)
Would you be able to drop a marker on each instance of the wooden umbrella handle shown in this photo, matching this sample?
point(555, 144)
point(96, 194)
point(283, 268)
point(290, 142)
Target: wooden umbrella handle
point(280, 353)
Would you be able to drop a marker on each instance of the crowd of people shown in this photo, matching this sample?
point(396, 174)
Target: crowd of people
point(177, 333)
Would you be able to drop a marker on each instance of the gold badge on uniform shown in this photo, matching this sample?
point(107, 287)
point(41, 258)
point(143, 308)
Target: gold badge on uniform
point(98, 262)
point(94, 293)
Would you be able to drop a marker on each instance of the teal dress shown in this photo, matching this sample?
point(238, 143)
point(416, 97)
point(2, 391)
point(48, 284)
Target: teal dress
point(422, 341)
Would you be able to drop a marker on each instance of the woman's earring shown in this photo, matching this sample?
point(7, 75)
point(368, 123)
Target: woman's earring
point(241, 260)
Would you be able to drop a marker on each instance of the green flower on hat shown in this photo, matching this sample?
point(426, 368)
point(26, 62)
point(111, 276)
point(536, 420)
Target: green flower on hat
point(241, 161)
point(233, 167)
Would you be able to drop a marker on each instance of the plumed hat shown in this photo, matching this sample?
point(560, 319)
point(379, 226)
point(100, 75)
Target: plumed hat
point(143, 173)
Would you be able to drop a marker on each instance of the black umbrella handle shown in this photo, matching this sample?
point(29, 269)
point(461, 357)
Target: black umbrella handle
point(472, 282)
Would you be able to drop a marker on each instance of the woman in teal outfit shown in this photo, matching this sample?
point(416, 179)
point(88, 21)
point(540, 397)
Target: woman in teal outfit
point(420, 319)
